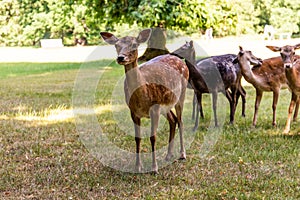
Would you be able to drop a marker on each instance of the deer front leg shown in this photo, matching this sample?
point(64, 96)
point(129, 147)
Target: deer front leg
point(137, 130)
point(275, 100)
point(259, 94)
point(154, 116)
point(200, 107)
point(242, 92)
point(199, 100)
point(195, 107)
point(290, 112)
point(296, 110)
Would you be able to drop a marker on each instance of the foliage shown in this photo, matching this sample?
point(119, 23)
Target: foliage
point(26, 22)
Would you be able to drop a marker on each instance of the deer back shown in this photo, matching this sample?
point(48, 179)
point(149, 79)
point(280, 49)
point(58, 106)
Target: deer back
point(218, 72)
point(272, 70)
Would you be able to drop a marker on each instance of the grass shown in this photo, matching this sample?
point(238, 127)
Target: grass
point(43, 157)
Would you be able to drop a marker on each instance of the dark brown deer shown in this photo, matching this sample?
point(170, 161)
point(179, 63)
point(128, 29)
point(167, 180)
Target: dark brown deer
point(266, 76)
point(291, 63)
point(212, 75)
point(152, 89)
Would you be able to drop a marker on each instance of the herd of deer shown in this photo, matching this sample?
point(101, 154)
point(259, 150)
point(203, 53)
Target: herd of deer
point(159, 85)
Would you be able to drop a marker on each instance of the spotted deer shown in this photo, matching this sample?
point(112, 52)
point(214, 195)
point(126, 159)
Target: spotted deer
point(212, 75)
point(291, 64)
point(152, 89)
point(266, 76)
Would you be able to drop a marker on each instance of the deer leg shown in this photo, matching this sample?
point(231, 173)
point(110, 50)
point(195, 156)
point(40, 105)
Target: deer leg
point(154, 115)
point(199, 99)
point(290, 112)
point(172, 122)
point(259, 94)
point(215, 99)
point(178, 109)
point(232, 102)
point(195, 107)
point(242, 92)
point(296, 110)
point(275, 101)
point(137, 129)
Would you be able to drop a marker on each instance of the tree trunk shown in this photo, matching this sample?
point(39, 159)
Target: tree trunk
point(156, 44)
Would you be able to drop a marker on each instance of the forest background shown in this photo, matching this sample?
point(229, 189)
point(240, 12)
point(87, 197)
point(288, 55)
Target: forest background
point(26, 22)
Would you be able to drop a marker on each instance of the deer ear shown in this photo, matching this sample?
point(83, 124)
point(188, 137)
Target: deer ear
point(109, 38)
point(274, 48)
point(297, 46)
point(143, 35)
point(192, 43)
point(241, 50)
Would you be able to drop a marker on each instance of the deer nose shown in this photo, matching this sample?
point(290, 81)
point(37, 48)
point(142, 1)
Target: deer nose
point(287, 65)
point(121, 58)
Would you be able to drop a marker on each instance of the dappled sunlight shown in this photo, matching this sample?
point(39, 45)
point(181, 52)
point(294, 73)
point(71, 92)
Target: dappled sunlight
point(55, 115)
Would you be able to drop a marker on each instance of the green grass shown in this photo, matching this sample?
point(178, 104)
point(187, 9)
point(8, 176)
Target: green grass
point(42, 156)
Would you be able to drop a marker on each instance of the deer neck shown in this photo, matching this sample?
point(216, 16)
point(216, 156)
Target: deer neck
point(292, 76)
point(248, 73)
point(134, 78)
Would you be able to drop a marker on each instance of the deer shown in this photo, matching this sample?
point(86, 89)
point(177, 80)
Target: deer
point(151, 89)
point(291, 64)
point(225, 76)
point(266, 76)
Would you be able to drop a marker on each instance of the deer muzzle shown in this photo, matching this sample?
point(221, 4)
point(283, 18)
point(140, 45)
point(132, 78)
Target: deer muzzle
point(288, 65)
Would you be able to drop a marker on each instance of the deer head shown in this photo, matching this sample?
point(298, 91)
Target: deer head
point(287, 54)
point(127, 47)
point(187, 51)
point(248, 56)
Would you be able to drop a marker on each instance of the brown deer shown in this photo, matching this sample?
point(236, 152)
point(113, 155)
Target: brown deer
point(212, 75)
point(152, 89)
point(291, 63)
point(266, 76)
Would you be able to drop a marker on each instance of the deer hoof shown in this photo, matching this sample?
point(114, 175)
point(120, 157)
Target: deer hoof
point(169, 157)
point(138, 168)
point(182, 156)
point(286, 131)
point(195, 128)
point(154, 170)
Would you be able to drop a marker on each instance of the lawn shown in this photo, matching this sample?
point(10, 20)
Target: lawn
point(44, 152)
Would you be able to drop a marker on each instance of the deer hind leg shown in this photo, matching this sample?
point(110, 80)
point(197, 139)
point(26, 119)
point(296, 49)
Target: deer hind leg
point(259, 95)
point(290, 112)
point(178, 109)
point(232, 102)
point(296, 110)
point(154, 115)
point(215, 100)
point(275, 101)
point(137, 129)
point(172, 122)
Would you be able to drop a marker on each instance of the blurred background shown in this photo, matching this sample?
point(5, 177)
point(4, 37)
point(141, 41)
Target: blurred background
point(78, 22)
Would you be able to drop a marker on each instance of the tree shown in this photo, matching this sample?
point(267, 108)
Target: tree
point(25, 22)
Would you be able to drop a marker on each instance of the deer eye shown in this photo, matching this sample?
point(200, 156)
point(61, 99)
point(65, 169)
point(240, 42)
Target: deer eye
point(134, 46)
